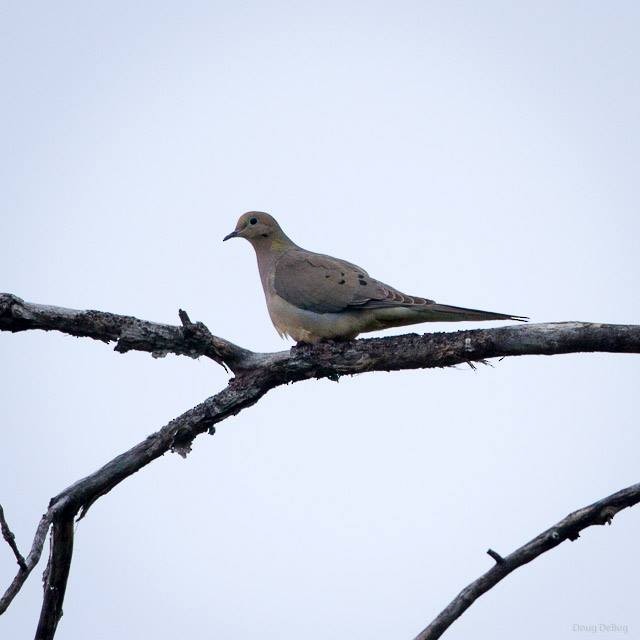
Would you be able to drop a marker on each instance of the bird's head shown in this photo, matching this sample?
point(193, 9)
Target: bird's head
point(256, 227)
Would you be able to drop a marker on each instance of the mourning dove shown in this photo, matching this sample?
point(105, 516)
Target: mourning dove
point(313, 297)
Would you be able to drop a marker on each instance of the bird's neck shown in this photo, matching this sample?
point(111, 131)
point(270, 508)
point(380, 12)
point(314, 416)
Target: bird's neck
point(277, 243)
point(268, 251)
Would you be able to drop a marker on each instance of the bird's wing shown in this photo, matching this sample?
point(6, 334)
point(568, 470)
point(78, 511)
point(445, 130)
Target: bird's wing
point(323, 284)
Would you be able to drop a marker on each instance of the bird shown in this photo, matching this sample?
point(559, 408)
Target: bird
point(312, 297)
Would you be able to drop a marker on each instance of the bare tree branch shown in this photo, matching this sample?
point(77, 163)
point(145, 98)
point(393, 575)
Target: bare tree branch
point(176, 435)
point(569, 528)
point(256, 374)
point(410, 351)
point(7, 534)
point(128, 333)
point(55, 578)
point(32, 559)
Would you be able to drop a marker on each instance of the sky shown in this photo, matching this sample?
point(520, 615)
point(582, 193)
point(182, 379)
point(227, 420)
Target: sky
point(480, 154)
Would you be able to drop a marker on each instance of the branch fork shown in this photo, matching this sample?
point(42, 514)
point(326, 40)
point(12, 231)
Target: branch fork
point(255, 375)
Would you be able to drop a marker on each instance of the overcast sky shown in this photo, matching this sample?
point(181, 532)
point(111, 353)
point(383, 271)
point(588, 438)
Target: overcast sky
point(481, 154)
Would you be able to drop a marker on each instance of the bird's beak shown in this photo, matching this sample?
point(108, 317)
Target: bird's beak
point(233, 234)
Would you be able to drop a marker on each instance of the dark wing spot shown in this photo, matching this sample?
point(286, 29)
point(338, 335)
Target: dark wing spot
point(342, 282)
point(327, 276)
point(265, 235)
point(362, 282)
point(342, 273)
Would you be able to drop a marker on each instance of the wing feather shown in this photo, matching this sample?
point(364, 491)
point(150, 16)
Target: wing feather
point(323, 284)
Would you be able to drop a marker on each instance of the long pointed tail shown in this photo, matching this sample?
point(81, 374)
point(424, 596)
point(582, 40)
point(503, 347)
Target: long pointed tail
point(447, 313)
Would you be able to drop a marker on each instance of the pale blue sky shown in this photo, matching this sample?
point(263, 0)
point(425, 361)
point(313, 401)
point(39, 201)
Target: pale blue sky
point(482, 154)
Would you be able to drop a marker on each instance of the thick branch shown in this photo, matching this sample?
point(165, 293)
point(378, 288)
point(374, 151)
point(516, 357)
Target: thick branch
point(55, 578)
point(411, 351)
point(568, 528)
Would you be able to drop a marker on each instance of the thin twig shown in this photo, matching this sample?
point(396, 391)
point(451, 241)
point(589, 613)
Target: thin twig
point(495, 555)
point(7, 534)
point(30, 562)
point(569, 528)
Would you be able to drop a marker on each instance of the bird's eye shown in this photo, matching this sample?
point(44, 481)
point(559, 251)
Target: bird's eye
point(253, 221)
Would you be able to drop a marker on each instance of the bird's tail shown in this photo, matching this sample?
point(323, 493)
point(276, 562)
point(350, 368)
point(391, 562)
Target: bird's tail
point(447, 313)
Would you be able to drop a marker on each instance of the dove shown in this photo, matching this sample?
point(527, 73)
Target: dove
point(313, 297)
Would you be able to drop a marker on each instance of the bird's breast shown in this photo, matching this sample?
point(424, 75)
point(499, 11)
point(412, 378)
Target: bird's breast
point(308, 326)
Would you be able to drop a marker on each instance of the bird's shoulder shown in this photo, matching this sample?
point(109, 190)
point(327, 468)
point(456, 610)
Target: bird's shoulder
point(320, 283)
point(316, 264)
